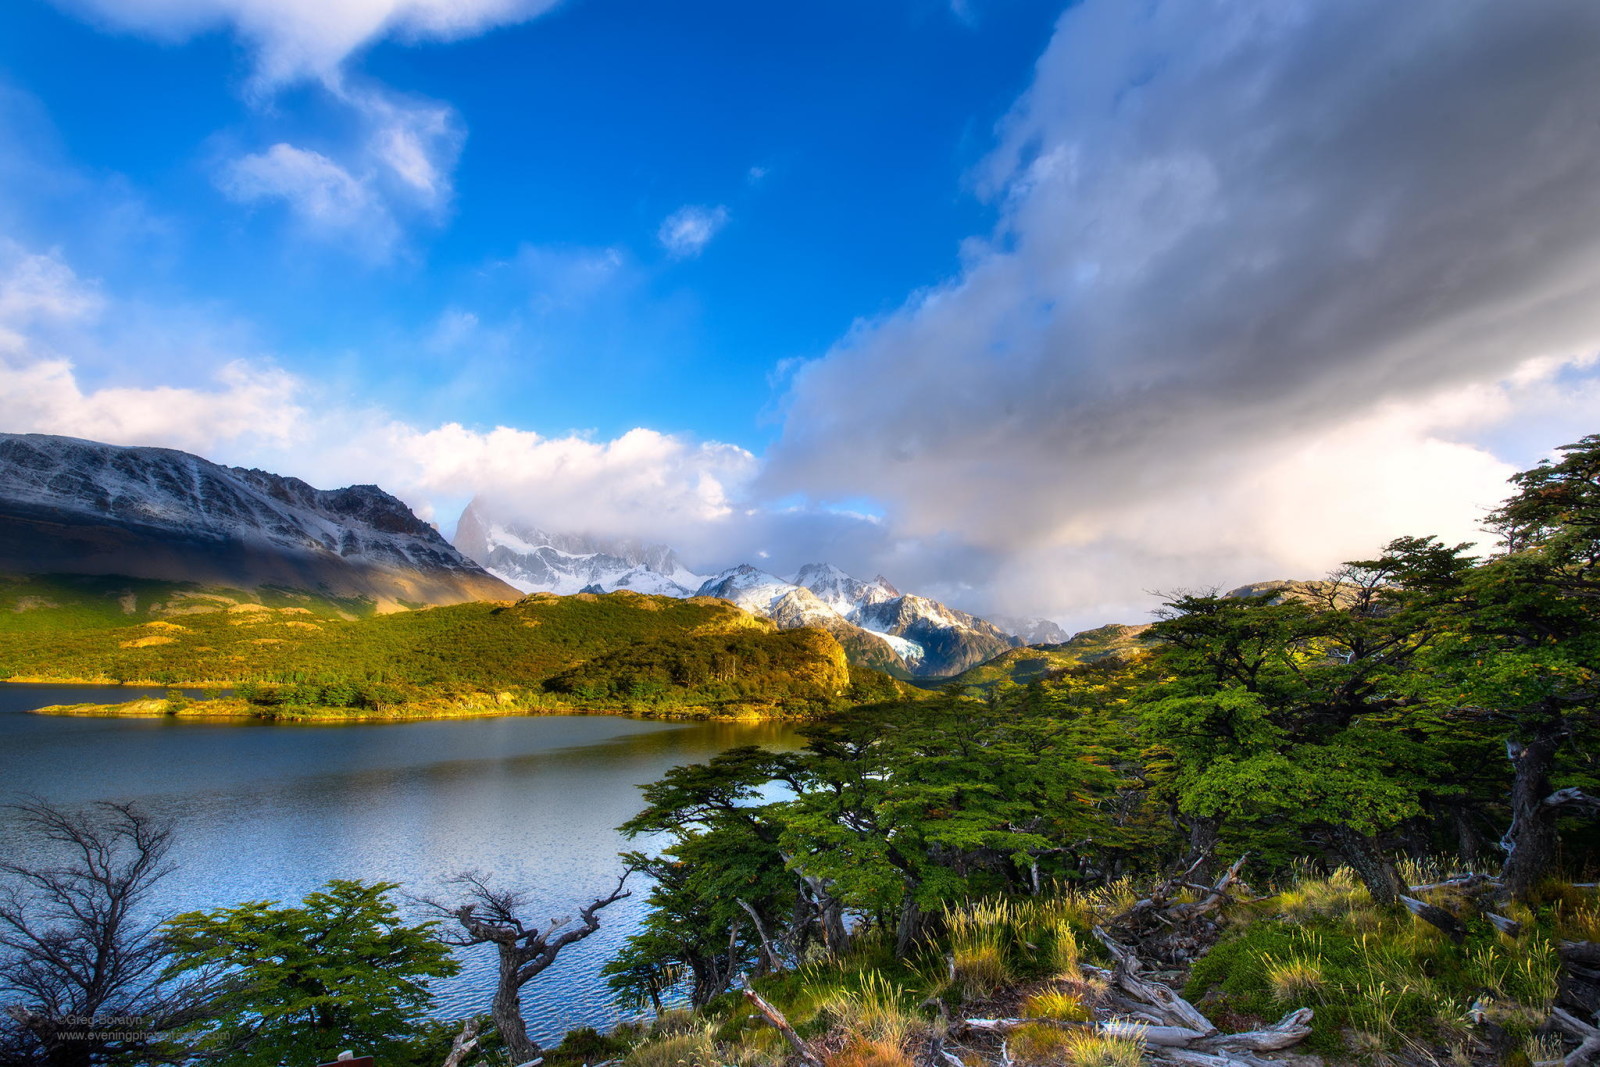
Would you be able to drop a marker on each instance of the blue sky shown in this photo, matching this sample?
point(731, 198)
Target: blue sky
point(1034, 307)
point(837, 142)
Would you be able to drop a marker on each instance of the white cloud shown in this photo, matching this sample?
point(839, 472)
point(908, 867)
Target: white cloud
point(295, 39)
point(401, 166)
point(325, 197)
point(1251, 257)
point(36, 286)
point(686, 232)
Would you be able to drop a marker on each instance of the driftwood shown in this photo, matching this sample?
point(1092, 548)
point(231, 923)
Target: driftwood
point(1190, 1058)
point(1290, 1030)
point(1176, 1031)
point(1588, 1049)
point(464, 1044)
point(779, 1023)
point(1126, 976)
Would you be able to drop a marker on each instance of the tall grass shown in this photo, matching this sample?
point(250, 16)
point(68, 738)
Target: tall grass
point(994, 943)
point(1386, 980)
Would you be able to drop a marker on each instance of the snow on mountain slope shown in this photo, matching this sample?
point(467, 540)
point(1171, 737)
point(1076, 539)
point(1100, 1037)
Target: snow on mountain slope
point(908, 635)
point(840, 591)
point(536, 561)
point(80, 507)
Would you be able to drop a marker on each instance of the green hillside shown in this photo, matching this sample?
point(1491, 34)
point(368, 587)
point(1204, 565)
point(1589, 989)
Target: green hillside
point(620, 651)
point(1039, 662)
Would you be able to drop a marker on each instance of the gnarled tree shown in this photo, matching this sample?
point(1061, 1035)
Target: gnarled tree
point(493, 916)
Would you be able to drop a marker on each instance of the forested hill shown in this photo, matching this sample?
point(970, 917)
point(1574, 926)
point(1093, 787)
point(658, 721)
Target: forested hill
point(288, 651)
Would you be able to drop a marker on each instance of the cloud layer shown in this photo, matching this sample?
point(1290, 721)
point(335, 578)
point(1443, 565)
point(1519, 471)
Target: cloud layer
point(1272, 283)
point(1233, 235)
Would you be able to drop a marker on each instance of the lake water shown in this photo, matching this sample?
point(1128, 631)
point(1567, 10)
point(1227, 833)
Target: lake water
point(270, 812)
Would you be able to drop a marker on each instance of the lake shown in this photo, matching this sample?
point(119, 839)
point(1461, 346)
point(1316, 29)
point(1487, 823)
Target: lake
point(272, 811)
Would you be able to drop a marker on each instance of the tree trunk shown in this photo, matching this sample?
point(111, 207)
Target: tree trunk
point(1375, 869)
point(1530, 841)
point(506, 1007)
point(1202, 856)
point(1468, 841)
point(910, 925)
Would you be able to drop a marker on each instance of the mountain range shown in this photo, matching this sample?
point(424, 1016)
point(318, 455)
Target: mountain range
point(76, 507)
point(69, 506)
point(902, 634)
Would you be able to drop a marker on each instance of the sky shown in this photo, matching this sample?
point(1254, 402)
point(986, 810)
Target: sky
point(1040, 309)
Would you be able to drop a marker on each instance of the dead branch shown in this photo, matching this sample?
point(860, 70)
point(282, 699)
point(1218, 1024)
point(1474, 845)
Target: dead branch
point(1292, 1029)
point(779, 1023)
point(774, 962)
point(466, 1041)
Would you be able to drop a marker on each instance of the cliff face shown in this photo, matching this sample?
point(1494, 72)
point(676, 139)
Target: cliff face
point(80, 507)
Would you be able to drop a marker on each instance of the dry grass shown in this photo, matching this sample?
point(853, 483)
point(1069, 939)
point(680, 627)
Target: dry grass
point(1296, 979)
point(863, 1053)
point(1054, 1004)
point(1085, 1048)
point(1038, 1045)
point(693, 1048)
point(874, 1014)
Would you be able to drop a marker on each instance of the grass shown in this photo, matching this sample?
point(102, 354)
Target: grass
point(1385, 987)
point(998, 942)
point(1381, 981)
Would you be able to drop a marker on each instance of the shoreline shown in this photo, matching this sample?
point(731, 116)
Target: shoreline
point(236, 710)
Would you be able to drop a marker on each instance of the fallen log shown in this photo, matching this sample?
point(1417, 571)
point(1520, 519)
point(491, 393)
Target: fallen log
point(1509, 927)
point(1190, 1058)
point(1126, 975)
point(1292, 1029)
point(1437, 917)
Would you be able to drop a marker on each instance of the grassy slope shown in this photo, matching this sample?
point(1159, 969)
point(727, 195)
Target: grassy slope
point(1037, 662)
point(1384, 987)
point(622, 651)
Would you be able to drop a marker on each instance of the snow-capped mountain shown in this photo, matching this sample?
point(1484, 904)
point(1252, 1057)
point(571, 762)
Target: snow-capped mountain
point(840, 591)
point(879, 626)
point(924, 638)
point(535, 561)
point(69, 506)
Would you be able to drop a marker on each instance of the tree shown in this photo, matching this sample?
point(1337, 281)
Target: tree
point(723, 874)
point(490, 916)
point(80, 961)
point(341, 970)
point(1284, 710)
point(1525, 657)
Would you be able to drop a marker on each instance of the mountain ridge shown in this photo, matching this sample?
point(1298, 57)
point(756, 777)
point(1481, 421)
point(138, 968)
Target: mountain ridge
point(74, 506)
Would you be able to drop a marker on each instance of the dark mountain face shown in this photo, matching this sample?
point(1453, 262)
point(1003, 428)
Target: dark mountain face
point(79, 507)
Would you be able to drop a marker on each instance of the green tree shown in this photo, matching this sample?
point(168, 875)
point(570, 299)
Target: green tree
point(341, 970)
point(1524, 657)
point(724, 859)
point(1285, 710)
